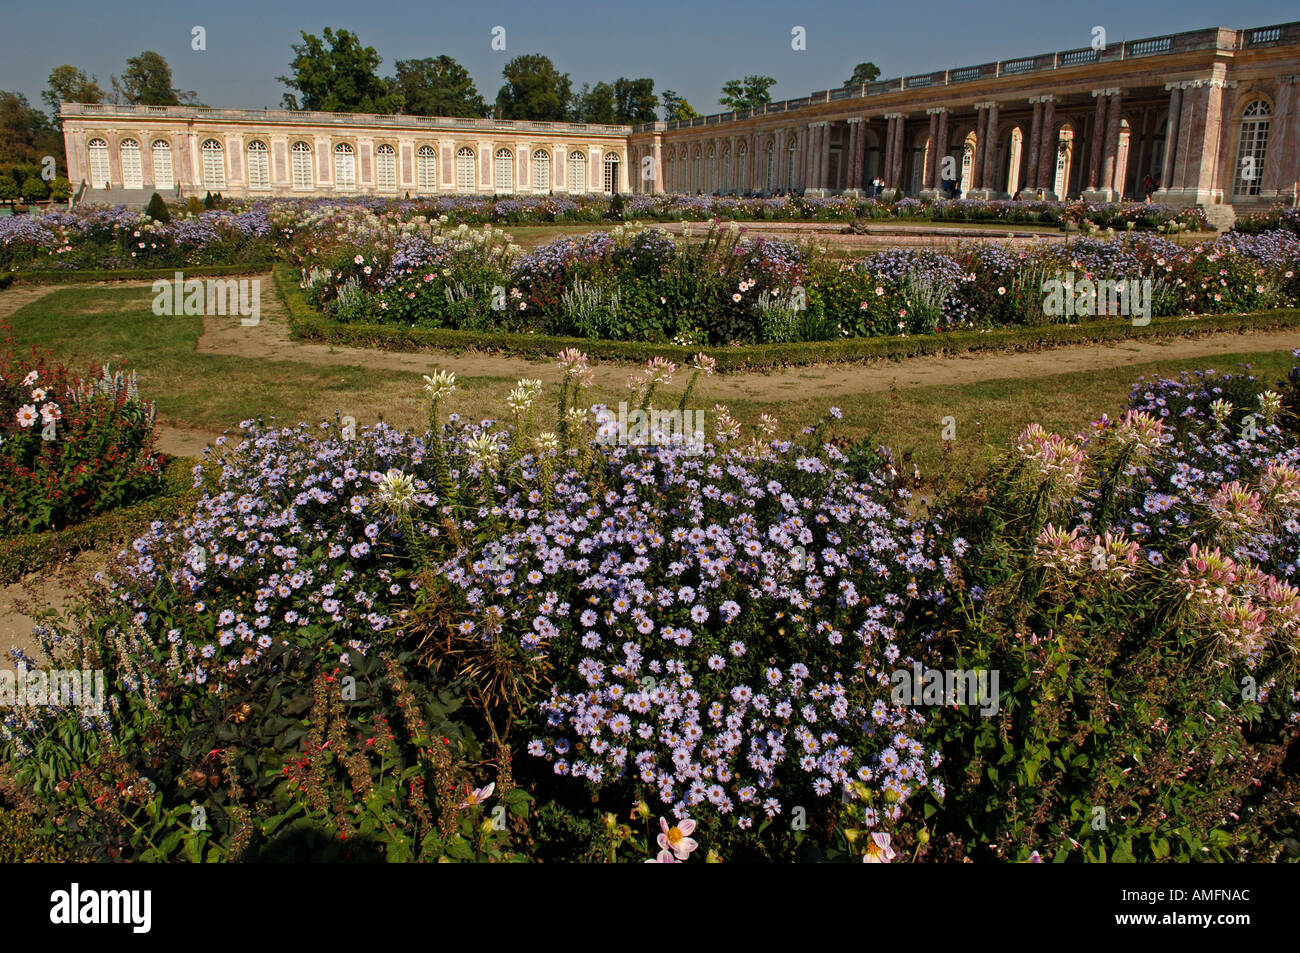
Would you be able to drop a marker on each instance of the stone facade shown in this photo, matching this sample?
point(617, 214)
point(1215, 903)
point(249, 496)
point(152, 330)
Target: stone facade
point(1211, 117)
point(182, 150)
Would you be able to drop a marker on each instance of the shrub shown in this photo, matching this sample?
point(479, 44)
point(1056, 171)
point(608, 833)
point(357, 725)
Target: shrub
point(71, 448)
point(60, 189)
point(157, 209)
point(35, 189)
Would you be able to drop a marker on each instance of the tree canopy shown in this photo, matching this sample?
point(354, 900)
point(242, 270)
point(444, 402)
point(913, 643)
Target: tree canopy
point(676, 108)
point(534, 89)
point(67, 84)
point(335, 73)
point(437, 86)
point(747, 93)
point(147, 81)
point(863, 73)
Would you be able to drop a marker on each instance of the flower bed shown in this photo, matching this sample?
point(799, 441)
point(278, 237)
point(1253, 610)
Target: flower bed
point(71, 448)
point(96, 237)
point(700, 628)
point(634, 284)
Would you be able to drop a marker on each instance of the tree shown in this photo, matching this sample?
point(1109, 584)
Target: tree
point(437, 87)
point(147, 81)
point(595, 104)
point(747, 93)
point(335, 73)
point(60, 189)
point(863, 73)
point(34, 189)
point(8, 189)
point(157, 209)
point(534, 89)
point(67, 84)
point(26, 134)
point(634, 100)
point(676, 108)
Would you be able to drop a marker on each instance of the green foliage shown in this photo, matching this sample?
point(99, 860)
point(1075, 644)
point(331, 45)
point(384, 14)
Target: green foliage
point(60, 189)
point(634, 100)
point(595, 104)
point(748, 93)
point(534, 90)
point(9, 190)
point(35, 189)
point(676, 108)
point(335, 73)
point(22, 842)
point(863, 73)
point(67, 84)
point(437, 87)
point(147, 81)
point(157, 209)
point(195, 205)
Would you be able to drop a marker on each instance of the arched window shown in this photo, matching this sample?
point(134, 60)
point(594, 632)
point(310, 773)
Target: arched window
point(541, 171)
point(713, 168)
point(742, 157)
point(259, 166)
point(386, 168)
point(465, 169)
point(504, 177)
point(577, 171)
point(698, 182)
point(611, 171)
point(789, 165)
point(163, 175)
point(132, 175)
point(345, 167)
point(726, 168)
point(426, 169)
point(303, 174)
point(670, 170)
point(98, 150)
point(683, 179)
point(770, 169)
point(1252, 147)
point(214, 164)
point(967, 163)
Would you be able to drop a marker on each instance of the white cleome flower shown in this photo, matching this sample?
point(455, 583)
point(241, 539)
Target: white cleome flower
point(441, 384)
point(396, 491)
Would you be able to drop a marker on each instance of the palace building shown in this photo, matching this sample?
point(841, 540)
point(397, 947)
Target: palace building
point(1208, 117)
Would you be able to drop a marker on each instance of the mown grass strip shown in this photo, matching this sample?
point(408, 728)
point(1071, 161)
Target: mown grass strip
point(70, 277)
point(308, 324)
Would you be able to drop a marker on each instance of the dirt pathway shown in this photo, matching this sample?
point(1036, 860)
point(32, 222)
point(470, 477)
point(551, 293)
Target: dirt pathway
point(270, 340)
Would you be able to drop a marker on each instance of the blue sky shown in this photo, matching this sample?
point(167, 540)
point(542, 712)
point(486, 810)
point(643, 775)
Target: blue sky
point(690, 47)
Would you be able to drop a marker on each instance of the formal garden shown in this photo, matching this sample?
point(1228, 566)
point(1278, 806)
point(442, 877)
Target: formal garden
point(509, 627)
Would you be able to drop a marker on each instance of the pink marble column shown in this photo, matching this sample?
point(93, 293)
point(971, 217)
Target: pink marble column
point(991, 156)
point(900, 152)
point(849, 153)
point(1111, 147)
point(1049, 142)
point(1035, 145)
point(941, 148)
point(931, 152)
point(1281, 157)
point(981, 134)
point(826, 156)
point(1171, 134)
point(1098, 135)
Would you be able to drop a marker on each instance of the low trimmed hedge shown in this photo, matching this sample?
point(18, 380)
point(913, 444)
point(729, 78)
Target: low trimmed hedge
point(26, 553)
point(71, 276)
point(308, 324)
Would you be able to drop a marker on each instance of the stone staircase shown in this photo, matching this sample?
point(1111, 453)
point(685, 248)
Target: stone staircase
point(1220, 217)
point(131, 198)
